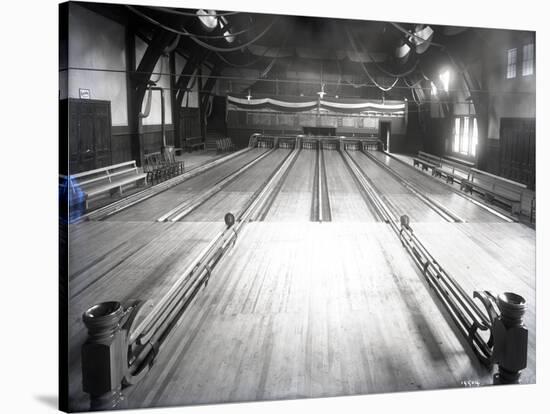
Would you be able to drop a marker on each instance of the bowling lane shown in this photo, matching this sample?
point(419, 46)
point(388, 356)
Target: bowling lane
point(234, 196)
point(499, 257)
point(123, 261)
point(153, 208)
point(307, 310)
point(294, 201)
point(439, 191)
point(401, 199)
point(346, 200)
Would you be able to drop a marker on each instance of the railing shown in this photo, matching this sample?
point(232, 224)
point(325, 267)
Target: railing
point(124, 340)
point(501, 318)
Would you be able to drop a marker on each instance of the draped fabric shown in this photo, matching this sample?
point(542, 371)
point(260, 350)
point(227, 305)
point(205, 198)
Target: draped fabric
point(303, 104)
point(308, 53)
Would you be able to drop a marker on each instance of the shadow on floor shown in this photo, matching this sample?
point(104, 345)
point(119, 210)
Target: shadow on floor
point(50, 401)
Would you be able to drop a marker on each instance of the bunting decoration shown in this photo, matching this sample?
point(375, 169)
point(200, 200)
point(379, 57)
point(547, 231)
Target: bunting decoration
point(306, 104)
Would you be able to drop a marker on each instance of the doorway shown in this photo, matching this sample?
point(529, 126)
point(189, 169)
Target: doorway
point(89, 133)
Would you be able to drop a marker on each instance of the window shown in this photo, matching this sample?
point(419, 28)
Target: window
point(473, 147)
point(512, 61)
point(456, 140)
point(445, 77)
point(465, 136)
point(464, 139)
point(528, 59)
point(434, 89)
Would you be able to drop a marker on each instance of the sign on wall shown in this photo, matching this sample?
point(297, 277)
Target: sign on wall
point(84, 93)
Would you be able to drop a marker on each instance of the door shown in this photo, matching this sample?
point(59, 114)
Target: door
point(102, 134)
point(89, 134)
point(517, 150)
point(384, 132)
point(189, 123)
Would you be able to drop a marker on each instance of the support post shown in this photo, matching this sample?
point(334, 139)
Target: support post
point(173, 101)
point(510, 337)
point(103, 356)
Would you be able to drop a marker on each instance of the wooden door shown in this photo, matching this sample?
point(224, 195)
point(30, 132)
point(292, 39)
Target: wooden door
point(189, 123)
point(102, 133)
point(517, 150)
point(89, 134)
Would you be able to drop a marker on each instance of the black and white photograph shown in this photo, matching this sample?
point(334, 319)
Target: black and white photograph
point(261, 205)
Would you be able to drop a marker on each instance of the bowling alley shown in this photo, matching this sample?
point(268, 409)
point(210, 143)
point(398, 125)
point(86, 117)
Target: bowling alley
point(257, 206)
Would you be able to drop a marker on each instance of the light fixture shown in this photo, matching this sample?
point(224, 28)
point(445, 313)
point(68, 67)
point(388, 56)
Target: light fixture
point(423, 38)
point(227, 33)
point(402, 52)
point(249, 95)
point(322, 92)
point(208, 19)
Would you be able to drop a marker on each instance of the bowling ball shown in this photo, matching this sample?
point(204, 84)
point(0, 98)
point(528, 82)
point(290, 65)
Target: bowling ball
point(229, 219)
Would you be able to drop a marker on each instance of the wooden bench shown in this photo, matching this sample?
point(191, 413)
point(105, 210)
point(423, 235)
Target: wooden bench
point(495, 188)
point(193, 143)
point(224, 144)
point(107, 179)
point(465, 163)
point(427, 161)
point(452, 171)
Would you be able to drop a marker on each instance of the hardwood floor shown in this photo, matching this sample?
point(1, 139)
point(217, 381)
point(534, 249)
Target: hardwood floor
point(299, 308)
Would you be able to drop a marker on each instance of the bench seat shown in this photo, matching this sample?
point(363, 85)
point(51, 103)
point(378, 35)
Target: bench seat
point(450, 174)
point(193, 143)
point(452, 171)
point(118, 184)
point(106, 179)
point(495, 188)
point(427, 161)
point(423, 163)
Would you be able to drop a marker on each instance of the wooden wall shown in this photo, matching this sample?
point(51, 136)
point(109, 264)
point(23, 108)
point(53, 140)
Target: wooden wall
point(151, 141)
point(87, 123)
point(241, 124)
point(517, 149)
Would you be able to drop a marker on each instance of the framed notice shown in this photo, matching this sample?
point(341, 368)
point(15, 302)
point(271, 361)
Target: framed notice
point(83, 93)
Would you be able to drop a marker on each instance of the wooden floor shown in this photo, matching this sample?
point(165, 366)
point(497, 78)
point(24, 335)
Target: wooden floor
point(403, 200)
point(346, 202)
point(123, 261)
point(294, 202)
point(439, 191)
point(300, 308)
point(155, 207)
